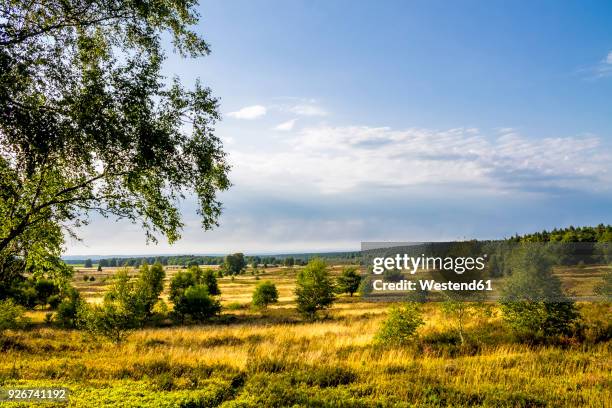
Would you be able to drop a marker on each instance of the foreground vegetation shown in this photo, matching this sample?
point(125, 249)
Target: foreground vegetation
point(273, 357)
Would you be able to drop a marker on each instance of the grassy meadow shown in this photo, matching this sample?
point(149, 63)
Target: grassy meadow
point(249, 358)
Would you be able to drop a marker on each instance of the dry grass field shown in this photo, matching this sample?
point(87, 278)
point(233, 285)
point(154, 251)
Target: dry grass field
point(250, 358)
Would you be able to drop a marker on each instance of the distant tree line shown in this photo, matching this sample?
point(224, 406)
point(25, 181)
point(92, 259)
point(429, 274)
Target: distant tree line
point(194, 260)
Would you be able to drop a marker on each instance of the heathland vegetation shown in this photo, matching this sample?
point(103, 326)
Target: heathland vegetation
point(89, 124)
point(133, 347)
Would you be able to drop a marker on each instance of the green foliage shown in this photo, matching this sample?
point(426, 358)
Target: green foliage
point(150, 284)
point(234, 264)
point(533, 300)
point(195, 304)
point(88, 123)
point(136, 298)
point(604, 289)
point(400, 326)
point(66, 315)
point(208, 278)
point(11, 315)
point(191, 277)
point(349, 281)
point(289, 261)
point(458, 309)
point(88, 263)
point(314, 289)
point(181, 281)
point(264, 294)
point(111, 320)
point(44, 289)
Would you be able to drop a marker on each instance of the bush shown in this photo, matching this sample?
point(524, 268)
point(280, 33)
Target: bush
point(264, 294)
point(109, 321)
point(181, 281)
point(349, 281)
point(11, 315)
point(85, 278)
point(195, 304)
point(54, 301)
point(533, 300)
point(208, 278)
point(400, 326)
point(66, 315)
point(44, 289)
point(314, 290)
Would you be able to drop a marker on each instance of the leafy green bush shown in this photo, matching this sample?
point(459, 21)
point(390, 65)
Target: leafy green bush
point(11, 315)
point(400, 326)
point(349, 281)
point(314, 290)
point(533, 300)
point(195, 304)
point(110, 320)
point(264, 294)
point(181, 281)
point(67, 310)
point(54, 301)
point(208, 278)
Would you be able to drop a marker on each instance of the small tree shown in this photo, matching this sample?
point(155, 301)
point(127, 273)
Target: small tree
point(180, 282)
point(99, 268)
point(45, 288)
point(234, 264)
point(110, 320)
point(290, 261)
point(533, 300)
point(150, 285)
point(209, 279)
point(604, 289)
point(67, 310)
point(88, 263)
point(264, 294)
point(400, 326)
point(11, 315)
point(195, 304)
point(349, 281)
point(314, 290)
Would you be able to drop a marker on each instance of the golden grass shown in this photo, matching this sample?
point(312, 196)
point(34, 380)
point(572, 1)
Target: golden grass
point(272, 358)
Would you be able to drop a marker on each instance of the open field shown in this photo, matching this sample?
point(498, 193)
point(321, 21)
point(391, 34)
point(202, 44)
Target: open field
point(272, 358)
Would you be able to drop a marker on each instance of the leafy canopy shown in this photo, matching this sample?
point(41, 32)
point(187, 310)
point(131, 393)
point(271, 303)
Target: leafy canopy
point(88, 123)
point(314, 290)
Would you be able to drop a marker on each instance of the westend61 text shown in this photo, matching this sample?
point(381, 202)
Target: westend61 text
point(432, 285)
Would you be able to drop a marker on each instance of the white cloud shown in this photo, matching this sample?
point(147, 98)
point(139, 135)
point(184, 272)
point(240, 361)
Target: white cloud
point(286, 126)
point(249, 112)
point(307, 110)
point(358, 158)
point(609, 58)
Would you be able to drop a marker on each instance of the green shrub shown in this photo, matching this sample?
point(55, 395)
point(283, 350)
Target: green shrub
point(349, 281)
point(66, 315)
point(533, 300)
point(400, 326)
point(208, 278)
point(195, 304)
point(264, 294)
point(54, 301)
point(181, 281)
point(314, 290)
point(11, 315)
point(110, 320)
point(45, 288)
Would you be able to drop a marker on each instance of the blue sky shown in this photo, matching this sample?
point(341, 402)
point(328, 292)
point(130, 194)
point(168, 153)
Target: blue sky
point(384, 120)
